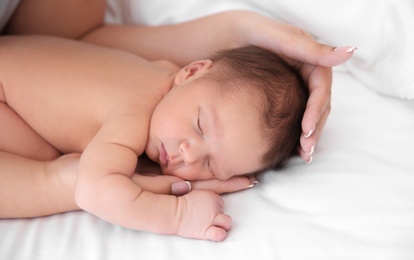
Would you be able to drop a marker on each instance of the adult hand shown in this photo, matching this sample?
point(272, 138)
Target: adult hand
point(312, 59)
point(185, 42)
point(164, 184)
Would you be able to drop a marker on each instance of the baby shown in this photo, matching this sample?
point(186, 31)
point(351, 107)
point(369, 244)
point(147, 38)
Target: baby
point(232, 115)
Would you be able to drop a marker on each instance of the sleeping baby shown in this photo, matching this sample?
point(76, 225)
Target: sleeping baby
point(77, 119)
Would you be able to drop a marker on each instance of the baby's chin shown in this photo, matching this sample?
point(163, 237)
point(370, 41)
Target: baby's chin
point(165, 171)
point(151, 155)
point(169, 172)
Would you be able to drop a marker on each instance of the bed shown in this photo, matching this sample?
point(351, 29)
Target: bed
point(354, 201)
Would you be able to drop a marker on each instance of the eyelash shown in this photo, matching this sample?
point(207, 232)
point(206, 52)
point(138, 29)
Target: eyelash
point(199, 126)
point(202, 133)
point(208, 166)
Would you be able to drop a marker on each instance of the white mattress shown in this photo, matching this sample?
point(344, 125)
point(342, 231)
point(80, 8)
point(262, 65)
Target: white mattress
point(354, 201)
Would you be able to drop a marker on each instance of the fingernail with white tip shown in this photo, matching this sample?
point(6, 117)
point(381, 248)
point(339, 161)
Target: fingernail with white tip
point(310, 159)
point(180, 188)
point(312, 150)
point(253, 184)
point(345, 49)
point(310, 133)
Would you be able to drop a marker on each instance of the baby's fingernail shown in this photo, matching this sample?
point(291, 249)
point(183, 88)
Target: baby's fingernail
point(180, 188)
point(309, 133)
point(312, 150)
point(345, 49)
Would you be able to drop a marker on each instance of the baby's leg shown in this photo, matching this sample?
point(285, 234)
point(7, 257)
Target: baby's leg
point(31, 188)
point(19, 138)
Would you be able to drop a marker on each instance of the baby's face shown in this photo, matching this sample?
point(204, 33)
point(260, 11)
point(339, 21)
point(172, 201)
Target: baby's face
point(196, 133)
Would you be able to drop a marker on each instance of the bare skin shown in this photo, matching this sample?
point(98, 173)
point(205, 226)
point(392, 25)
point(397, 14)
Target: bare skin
point(95, 105)
point(183, 43)
point(69, 19)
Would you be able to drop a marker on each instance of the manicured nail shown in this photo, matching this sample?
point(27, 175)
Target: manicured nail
point(180, 188)
point(253, 184)
point(345, 49)
point(310, 133)
point(312, 150)
point(310, 160)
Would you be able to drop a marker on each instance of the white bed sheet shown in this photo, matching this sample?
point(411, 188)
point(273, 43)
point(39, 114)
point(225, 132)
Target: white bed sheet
point(354, 201)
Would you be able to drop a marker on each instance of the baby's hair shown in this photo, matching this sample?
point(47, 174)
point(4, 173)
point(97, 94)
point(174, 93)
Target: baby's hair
point(280, 93)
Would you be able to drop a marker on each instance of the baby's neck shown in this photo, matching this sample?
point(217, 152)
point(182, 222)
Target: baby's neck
point(167, 65)
point(171, 70)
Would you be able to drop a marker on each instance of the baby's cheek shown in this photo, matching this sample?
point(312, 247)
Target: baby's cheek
point(191, 174)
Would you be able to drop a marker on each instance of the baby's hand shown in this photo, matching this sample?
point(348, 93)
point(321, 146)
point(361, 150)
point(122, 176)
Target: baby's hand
point(201, 216)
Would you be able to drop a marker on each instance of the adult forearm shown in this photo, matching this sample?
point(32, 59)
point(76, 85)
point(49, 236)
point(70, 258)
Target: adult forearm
point(179, 43)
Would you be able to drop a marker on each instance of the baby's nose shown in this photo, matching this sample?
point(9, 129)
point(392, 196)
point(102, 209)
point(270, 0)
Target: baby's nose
point(192, 151)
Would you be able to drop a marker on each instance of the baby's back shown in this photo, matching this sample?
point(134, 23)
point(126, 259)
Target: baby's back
point(65, 89)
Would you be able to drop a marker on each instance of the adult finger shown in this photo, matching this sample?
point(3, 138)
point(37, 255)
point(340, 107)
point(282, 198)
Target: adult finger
point(180, 188)
point(308, 144)
point(320, 79)
point(225, 186)
point(297, 45)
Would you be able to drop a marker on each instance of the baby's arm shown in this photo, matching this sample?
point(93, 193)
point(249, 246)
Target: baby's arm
point(104, 188)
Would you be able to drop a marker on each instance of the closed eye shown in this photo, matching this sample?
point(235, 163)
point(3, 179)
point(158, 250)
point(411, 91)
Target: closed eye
point(210, 169)
point(199, 124)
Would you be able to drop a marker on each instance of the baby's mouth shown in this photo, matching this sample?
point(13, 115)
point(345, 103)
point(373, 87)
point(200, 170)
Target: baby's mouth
point(164, 158)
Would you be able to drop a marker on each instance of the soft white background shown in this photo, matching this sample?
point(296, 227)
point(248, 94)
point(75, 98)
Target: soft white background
point(356, 199)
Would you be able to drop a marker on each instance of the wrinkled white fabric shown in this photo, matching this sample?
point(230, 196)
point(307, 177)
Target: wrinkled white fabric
point(382, 30)
point(354, 201)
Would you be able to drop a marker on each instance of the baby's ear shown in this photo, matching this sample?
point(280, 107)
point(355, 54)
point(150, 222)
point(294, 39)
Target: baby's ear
point(193, 70)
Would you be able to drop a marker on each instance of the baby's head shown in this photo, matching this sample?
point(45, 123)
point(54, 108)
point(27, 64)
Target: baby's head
point(238, 113)
point(276, 89)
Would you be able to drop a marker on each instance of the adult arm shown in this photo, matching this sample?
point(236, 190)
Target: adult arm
point(68, 19)
point(198, 39)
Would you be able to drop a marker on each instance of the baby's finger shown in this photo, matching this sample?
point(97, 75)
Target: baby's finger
point(216, 234)
point(218, 231)
point(222, 220)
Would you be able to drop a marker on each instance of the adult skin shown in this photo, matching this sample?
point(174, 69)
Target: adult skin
point(182, 43)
